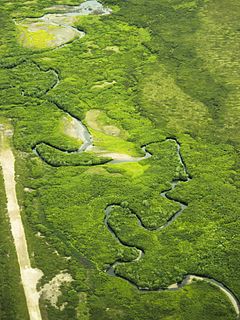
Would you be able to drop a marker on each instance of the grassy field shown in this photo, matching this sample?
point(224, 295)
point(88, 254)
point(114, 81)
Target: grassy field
point(149, 71)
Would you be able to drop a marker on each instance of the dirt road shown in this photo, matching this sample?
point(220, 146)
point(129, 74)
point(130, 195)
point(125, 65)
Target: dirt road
point(29, 276)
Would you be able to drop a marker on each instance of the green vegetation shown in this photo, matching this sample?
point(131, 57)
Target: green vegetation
point(38, 39)
point(154, 70)
point(59, 158)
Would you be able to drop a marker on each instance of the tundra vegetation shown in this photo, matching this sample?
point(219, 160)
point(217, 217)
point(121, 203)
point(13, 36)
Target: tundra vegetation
point(150, 71)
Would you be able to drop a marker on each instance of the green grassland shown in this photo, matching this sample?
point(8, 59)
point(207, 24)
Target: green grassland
point(154, 69)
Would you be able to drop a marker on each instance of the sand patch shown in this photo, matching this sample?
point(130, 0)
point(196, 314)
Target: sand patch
point(72, 128)
point(90, 7)
point(111, 130)
point(51, 291)
point(92, 119)
point(103, 85)
point(29, 190)
point(115, 49)
point(42, 35)
point(120, 157)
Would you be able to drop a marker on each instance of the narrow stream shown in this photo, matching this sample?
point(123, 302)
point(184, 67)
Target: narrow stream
point(84, 135)
point(188, 279)
point(110, 208)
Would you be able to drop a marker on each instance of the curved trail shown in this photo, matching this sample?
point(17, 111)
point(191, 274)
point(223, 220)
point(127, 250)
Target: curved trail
point(87, 145)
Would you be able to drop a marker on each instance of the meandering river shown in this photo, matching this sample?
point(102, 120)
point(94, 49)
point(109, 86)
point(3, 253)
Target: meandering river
point(83, 133)
point(87, 145)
